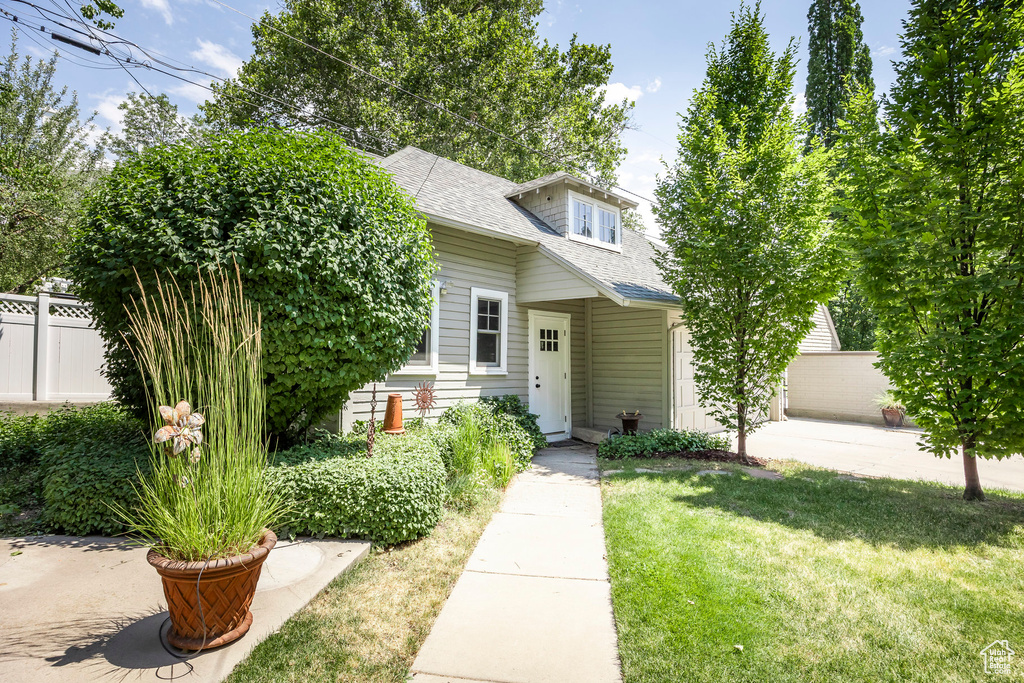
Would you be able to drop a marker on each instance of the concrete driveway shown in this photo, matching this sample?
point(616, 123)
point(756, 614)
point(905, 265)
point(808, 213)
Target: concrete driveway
point(874, 451)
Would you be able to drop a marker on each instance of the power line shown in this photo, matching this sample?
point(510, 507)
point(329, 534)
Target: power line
point(126, 63)
point(439, 107)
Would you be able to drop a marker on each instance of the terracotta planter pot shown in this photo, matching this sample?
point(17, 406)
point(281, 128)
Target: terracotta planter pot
point(893, 417)
point(630, 422)
point(225, 591)
point(393, 415)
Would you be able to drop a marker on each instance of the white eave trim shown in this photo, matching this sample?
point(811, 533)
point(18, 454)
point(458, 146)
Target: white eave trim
point(832, 328)
point(476, 230)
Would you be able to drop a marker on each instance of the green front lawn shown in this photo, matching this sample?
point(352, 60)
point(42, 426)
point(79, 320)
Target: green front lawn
point(816, 578)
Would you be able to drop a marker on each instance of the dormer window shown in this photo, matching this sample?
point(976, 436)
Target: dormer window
point(583, 219)
point(594, 222)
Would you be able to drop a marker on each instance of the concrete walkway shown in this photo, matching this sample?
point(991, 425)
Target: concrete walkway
point(534, 604)
point(875, 451)
point(91, 609)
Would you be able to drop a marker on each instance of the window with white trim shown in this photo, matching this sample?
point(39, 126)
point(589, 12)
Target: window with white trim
point(423, 360)
point(595, 223)
point(488, 334)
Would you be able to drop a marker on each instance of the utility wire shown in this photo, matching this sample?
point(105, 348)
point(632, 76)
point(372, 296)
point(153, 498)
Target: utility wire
point(399, 88)
point(118, 40)
point(128, 63)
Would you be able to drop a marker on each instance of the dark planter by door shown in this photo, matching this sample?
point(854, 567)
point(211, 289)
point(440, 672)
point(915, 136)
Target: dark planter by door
point(630, 422)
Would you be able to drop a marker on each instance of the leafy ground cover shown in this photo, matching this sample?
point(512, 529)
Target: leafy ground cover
point(816, 577)
point(368, 624)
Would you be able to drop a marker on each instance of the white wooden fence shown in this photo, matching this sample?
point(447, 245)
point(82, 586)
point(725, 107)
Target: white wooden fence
point(49, 350)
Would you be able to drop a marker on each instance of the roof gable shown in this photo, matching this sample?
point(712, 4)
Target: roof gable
point(457, 195)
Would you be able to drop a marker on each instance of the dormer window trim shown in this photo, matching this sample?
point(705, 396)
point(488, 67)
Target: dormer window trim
point(596, 227)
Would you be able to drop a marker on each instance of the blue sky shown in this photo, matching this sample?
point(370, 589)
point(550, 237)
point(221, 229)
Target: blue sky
point(658, 49)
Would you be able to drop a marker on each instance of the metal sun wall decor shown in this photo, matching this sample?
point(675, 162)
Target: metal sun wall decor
point(424, 398)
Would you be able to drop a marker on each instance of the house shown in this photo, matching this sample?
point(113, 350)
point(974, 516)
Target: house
point(542, 293)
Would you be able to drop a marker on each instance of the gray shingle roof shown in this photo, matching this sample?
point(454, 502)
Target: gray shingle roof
point(451, 191)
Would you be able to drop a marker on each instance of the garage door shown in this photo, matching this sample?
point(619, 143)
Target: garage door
point(686, 410)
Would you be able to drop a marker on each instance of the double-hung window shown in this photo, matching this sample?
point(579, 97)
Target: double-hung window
point(582, 219)
point(488, 337)
point(594, 223)
point(423, 360)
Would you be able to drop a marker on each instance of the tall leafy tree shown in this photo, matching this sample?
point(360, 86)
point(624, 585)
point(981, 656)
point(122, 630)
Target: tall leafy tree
point(853, 318)
point(746, 218)
point(937, 202)
point(149, 120)
point(836, 57)
point(483, 62)
point(46, 166)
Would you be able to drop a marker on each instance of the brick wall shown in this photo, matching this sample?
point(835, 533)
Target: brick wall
point(836, 386)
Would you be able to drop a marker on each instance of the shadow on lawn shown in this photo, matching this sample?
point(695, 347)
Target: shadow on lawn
point(904, 514)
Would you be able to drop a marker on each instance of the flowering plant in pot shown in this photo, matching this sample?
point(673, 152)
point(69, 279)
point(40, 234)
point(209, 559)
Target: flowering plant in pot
point(893, 410)
point(207, 508)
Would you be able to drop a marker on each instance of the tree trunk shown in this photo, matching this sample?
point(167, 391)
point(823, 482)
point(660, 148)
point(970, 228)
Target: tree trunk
point(741, 434)
point(972, 491)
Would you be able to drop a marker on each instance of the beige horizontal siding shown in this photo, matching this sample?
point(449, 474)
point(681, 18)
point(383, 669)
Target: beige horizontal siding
point(538, 278)
point(466, 261)
point(820, 338)
point(628, 364)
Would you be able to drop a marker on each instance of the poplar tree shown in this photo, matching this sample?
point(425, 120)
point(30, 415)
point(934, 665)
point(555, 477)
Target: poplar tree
point(746, 218)
point(836, 54)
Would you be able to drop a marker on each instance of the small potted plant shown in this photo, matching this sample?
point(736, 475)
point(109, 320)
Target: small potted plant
point(893, 410)
point(206, 509)
point(630, 421)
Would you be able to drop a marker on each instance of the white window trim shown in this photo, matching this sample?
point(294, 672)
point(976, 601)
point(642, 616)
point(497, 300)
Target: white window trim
point(429, 370)
point(476, 294)
point(596, 205)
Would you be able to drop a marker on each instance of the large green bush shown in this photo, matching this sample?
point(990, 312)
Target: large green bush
point(327, 245)
point(20, 441)
point(659, 441)
point(91, 458)
point(333, 489)
point(511, 404)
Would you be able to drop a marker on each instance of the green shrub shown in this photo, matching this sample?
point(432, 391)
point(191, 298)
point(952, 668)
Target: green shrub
point(329, 248)
point(91, 458)
point(20, 439)
point(511, 404)
point(397, 495)
point(496, 426)
point(498, 463)
point(658, 441)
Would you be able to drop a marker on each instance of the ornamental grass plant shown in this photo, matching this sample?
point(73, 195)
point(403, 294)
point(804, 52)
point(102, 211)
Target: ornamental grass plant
point(207, 496)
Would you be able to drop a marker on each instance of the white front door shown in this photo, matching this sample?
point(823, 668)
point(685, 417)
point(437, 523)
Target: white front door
point(549, 373)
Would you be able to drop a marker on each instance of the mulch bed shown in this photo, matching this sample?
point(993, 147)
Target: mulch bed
point(713, 455)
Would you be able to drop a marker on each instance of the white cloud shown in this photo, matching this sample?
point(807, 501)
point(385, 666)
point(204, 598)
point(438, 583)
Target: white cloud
point(883, 51)
point(107, 111)
point(191, 92)
point(614, 93)
point(218, 57)
point(800, 104)
point(654, 86)
point(638, 173)
point(162, 7)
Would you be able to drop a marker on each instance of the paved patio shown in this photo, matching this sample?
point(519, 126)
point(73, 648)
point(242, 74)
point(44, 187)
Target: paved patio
point(534, 603)
point(90, 609)
point(876, 452)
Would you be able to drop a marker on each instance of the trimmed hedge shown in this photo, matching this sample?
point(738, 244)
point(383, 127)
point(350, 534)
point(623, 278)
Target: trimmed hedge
point(335, 490)
point(646, 444)
point(90, 459)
